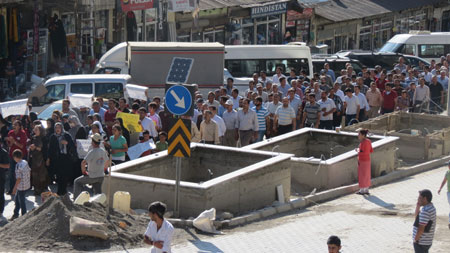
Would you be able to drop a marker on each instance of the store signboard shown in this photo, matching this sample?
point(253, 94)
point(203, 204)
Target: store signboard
point(182, 5)
point(269, 9)
point(135, 5)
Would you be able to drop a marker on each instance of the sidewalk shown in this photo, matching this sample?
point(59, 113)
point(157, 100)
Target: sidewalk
point(379, 223)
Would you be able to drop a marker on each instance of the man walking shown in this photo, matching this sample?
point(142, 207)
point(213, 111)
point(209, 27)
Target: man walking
point(374, 99)
point(311, 112)
point(285, 120)
point(351, 107)
point(421, 96)
point(327, 108)
point(230, 119)
point(263, 118)
point(425, 222)
point(389, 101)
point(209, 130)
point(97, 160)
point(247, 123)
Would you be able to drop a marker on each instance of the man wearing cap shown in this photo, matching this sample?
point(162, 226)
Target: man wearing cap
point(351, 107)
point(230, 119)
point(261, 93)
point(97, 162)
point(425, 222)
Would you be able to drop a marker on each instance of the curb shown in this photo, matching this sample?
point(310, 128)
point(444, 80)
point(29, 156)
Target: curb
point(319, 197)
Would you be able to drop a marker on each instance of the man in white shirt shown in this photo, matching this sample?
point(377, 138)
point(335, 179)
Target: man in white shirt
point(363, 104)
point(278, 75)
point(147, 123)
point(338, 92)
point(230, 118)
point(351, 107)
point(421, 96)
point(327, 108)
point(159, 231)
point(235, 98)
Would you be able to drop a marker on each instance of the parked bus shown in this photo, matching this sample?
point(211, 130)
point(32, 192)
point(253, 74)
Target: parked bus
point(243, 61)
point(423, 44)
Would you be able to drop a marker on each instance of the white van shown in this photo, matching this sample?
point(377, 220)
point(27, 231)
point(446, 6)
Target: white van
point(243, 61)
point(61, 87)
point(423, 44)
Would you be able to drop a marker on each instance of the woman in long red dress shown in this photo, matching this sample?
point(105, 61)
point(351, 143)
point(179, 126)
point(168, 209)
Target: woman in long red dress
point(364, 151)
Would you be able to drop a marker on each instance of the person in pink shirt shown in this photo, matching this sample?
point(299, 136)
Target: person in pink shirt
point(364, 170)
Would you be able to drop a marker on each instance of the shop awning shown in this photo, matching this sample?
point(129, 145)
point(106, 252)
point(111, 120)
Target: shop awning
point(355, 9)
point(10, 1)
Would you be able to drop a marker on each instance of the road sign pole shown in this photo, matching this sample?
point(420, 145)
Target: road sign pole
point(177, 187)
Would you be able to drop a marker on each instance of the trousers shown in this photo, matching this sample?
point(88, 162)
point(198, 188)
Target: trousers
point(80, 182)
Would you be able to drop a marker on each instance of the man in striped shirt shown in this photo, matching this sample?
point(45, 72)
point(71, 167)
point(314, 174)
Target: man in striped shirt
point(285, 120)
point(263, 118)
point(425, 223)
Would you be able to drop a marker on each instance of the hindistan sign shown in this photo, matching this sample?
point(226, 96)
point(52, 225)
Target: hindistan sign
point(135, 5)
point(269, 9)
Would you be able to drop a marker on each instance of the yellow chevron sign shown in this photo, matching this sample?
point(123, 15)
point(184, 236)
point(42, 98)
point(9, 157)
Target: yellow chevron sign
point(179, 138)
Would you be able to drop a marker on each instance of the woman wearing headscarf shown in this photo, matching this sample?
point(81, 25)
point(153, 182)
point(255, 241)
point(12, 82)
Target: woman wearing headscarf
point(50, 128)
point(125, 132)
point(38, 156)
point(76, 130)
point(60, 156)
point(97, 128)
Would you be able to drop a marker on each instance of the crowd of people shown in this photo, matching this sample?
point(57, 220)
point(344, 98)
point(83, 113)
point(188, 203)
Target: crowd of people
point(38, 153)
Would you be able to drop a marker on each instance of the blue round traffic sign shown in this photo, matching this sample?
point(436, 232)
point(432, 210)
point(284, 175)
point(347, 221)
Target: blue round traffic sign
point(178, 100)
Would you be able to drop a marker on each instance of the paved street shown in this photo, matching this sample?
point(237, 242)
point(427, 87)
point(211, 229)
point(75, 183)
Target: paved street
point(379, 223)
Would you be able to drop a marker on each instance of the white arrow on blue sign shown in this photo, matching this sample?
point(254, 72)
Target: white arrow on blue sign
point(178, 100)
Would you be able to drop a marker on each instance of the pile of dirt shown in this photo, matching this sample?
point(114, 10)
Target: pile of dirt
point(47, 228)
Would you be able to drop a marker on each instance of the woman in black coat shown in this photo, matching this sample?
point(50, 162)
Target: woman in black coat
point(61, 157)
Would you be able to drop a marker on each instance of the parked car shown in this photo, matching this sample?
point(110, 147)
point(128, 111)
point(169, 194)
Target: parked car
point(336, 63)
point(385, 59)
point(61, 87)
point(47, 112)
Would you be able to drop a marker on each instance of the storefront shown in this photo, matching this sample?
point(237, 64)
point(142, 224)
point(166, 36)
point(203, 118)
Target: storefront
point(298, 25)
point(263, 26)
point(146, 21)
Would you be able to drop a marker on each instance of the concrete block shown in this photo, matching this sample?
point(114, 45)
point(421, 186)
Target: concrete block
point(237, 221)
point(284, 208)
point(269, 211)
point(298, 203)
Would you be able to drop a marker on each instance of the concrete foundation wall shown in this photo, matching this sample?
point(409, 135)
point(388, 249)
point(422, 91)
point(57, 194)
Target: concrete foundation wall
point(434, 133)
point(232, 188)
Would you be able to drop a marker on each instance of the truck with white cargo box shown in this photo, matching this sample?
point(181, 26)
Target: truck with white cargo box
point(148, 63)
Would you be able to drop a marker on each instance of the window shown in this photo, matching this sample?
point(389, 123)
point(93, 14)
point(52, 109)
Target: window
point(433, 51)
point(55, 92)
point(109, 90)
point(286, 66)
point(81, 88)
point(242, 68)
point(108, 70)
point(408, 49)
point(246, 68)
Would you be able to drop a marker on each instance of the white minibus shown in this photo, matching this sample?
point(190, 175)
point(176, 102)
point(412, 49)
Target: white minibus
point(423, 44)
point(243, 61)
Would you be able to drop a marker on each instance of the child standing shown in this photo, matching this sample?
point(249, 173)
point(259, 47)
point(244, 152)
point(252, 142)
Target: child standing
point(22, 183)
point(162, 144)
point(446, 180)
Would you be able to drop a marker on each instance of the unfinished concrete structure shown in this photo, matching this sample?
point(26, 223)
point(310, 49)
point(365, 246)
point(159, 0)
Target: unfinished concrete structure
point(228, 179)
point(422, 136)
point(326, 159)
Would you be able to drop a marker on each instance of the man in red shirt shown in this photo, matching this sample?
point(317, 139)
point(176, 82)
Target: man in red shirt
point(381, 82)
point(110, 116)
point(17, 139)
point(389, 99)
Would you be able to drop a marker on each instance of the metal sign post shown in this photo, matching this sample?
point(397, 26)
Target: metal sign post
point(176, 210)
